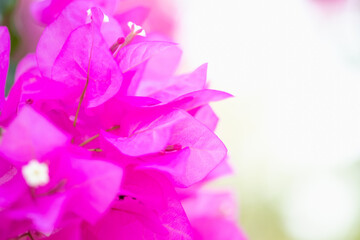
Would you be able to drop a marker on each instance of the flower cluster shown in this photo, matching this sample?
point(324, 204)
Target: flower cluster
point(101, 140)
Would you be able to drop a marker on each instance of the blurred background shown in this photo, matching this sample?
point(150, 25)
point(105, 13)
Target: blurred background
point(293, 127)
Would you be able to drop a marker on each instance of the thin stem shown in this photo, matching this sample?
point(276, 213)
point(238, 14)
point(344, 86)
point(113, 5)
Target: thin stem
point(95, 150)
point(86, 85)
point(98, 135)
point(81, 100)
point(89, 140)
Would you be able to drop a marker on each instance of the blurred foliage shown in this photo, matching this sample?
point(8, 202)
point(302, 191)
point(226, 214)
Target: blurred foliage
point(261, 220)
point(259, 216)
point(7, 10)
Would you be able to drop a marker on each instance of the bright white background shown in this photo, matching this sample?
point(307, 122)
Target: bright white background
point(293, 128)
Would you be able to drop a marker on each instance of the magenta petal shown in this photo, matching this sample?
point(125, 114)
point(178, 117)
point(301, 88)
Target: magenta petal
point(111, 31)
point(149, 139)
point(171, 214)
point(137, 53)
point(221, 170)
point(128, 219)
point(206, 116)
point(12, 103)
point(223, 205)
point(173, 163)
point(4, 61)
point(216, 229)
point(11, 183)
point(108, 5)
point(55, 35)
point(26, 133)
point(151, 210)
point(96, 16)
point(136, 15)
point(44, 214)
point(95, 184)
point(86, 57)
point(47, 10)
point(69, 232)
point(213, 216)
point(26, 64)
point(177, 86)
point(162, 66)
point(201, 150)
point(199, 98)
point(206, 149)
point(179, 129)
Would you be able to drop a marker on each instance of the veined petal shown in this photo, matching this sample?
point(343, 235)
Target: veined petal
point(94, 186)
point(26, 133)
point(86, 59)
point(137, 53)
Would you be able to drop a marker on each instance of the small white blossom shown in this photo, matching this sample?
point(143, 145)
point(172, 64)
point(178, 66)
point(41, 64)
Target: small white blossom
point(35, 173)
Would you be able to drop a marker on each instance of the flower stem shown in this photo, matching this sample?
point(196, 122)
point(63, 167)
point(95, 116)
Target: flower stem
point(89, 140)
point(98, 135)
point(95, 150)
point(81, 100)
point(86, 85)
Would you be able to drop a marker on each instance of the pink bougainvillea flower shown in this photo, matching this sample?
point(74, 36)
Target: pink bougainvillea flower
point(213, 216)
point(101, 139)
point(92, 76)
point(147, 208)
point(43, 180)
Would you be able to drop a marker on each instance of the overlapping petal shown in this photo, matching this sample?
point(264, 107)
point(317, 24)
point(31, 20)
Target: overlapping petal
point(86, 62)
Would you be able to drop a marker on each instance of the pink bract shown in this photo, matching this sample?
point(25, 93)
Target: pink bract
point(101, 138)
